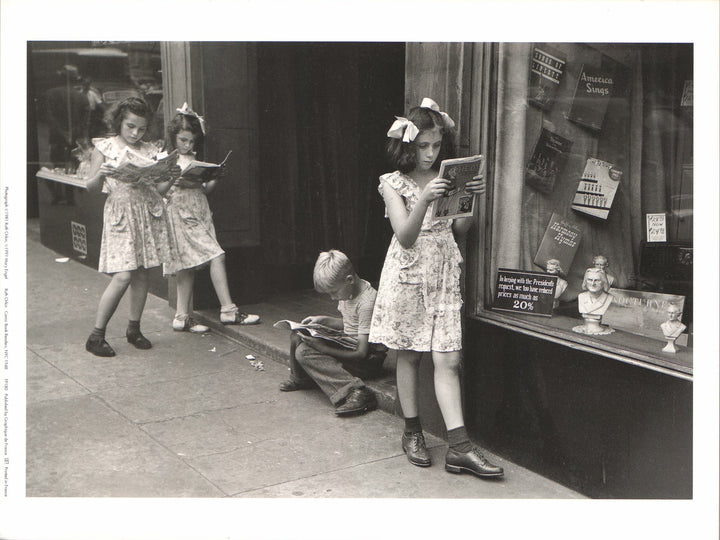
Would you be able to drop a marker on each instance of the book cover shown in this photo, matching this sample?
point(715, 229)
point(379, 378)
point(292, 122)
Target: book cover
point(546, 160)
point(560, 241)
point(546, 69)
point(136, 168)
point(320, 331)
point(456, 203)
point(597, 188)
point(203, 171)
point(592, 94)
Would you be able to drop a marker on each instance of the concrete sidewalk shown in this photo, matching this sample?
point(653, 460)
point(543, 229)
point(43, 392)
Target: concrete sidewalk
point(192, 417)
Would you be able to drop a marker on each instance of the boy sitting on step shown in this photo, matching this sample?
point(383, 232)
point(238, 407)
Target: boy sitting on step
point(336, 370)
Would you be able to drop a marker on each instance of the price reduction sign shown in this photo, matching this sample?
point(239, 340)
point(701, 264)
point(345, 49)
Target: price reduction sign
point(525, 292)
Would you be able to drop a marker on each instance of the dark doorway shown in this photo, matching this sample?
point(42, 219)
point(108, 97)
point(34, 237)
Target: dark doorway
point(324, 110)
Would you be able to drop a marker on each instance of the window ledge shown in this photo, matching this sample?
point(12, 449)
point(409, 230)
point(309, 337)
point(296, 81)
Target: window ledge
point(70, 179)
point(622, 346)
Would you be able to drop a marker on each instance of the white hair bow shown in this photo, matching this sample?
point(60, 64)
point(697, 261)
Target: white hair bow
point(187, 111)
point(404, 129)
point(428, 103)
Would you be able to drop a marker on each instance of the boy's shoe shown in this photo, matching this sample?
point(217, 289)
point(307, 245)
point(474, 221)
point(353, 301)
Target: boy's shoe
point(235, 316)
point(358, 401)
point(185, 323)
point(292, 385)
point(413, 445)
point(472, 462)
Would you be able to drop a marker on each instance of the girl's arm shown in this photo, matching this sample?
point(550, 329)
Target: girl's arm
point(163, 187)
point(97, 172)
point(406, 226)
point(476, 186)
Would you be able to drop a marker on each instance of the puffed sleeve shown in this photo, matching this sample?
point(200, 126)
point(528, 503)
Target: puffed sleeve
point(397, 181)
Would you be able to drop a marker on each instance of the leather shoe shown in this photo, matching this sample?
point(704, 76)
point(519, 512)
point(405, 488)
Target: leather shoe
point(291, 385)
point(138, 340)
point(99, 347)
point(414, 446)
point(358, 401)
point(472, 462)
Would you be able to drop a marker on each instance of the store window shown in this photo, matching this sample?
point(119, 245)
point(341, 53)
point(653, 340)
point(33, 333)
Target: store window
point(593, 166)
point(72, 85)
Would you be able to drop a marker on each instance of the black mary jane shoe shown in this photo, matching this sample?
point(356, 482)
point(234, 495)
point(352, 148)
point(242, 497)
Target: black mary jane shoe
point(138, 340)
point(99, 347)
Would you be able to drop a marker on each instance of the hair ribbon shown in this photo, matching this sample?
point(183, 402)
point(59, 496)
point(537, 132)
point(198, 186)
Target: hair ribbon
point(187, 111)
point(403, 129)
point(428, 103)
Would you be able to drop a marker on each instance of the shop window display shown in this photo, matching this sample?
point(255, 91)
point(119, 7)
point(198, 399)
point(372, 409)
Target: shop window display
point(592, 183)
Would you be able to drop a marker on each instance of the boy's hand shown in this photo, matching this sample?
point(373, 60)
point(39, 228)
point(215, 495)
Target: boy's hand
point(476, 186)
point(315, 319)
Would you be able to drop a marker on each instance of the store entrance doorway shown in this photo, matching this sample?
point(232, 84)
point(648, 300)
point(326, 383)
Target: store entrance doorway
point(324, 110)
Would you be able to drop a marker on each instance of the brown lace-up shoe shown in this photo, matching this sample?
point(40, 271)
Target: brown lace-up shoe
point(414, 447)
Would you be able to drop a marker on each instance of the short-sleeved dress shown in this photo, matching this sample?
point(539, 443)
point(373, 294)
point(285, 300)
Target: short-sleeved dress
point(418, 305)
point(135, 225)
point(191, 226)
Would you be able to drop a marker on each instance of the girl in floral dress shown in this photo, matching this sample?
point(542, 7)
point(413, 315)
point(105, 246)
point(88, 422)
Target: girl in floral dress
point(193, 232)
point(135, 234)
point(418, 305)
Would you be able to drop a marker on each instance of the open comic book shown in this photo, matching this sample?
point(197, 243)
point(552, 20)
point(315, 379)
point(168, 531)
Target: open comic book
point(203, 171)
point(134, 168)
point(320, 331)
point(456, 203)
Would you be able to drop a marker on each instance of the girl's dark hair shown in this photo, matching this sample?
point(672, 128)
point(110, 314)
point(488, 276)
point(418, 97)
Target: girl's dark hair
point(183, 122)
point(402, 155)
point(134, 105)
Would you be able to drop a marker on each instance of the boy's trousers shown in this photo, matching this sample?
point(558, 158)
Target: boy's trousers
point(334, 377)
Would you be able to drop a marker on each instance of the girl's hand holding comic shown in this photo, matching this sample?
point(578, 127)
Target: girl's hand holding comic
point(476, 186)
point(435, 188)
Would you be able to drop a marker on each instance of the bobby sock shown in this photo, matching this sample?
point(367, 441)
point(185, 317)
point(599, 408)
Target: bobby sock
point(97, 334)
point(133, 327)
point(458, 439)
point(412, 425)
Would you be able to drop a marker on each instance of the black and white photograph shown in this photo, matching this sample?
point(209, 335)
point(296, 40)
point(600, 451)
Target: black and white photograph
point(231, 310)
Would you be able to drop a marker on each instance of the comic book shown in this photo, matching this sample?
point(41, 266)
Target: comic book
point(135, 168)
point(321, 331)
point(203, 171)
point(456, 203)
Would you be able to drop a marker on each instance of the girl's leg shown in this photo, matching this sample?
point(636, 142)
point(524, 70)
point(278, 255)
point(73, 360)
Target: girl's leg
point(218, 276)
point(139, 285)
point(182, 321)
point(447, 387)
point(462, 456)
point(109, 301)
point(413, 441)
point(229, 312)
point(408, 367)
point(185, 280)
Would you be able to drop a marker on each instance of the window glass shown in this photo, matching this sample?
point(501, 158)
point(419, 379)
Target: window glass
point(593, 167)
point(73, 84)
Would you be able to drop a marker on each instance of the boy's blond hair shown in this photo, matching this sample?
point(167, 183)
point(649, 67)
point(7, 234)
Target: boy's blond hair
point(331, 267)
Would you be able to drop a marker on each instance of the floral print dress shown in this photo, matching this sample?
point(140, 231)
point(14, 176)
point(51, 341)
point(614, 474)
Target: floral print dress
point(418, 305)
point(191, 226)
point(135, 225)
